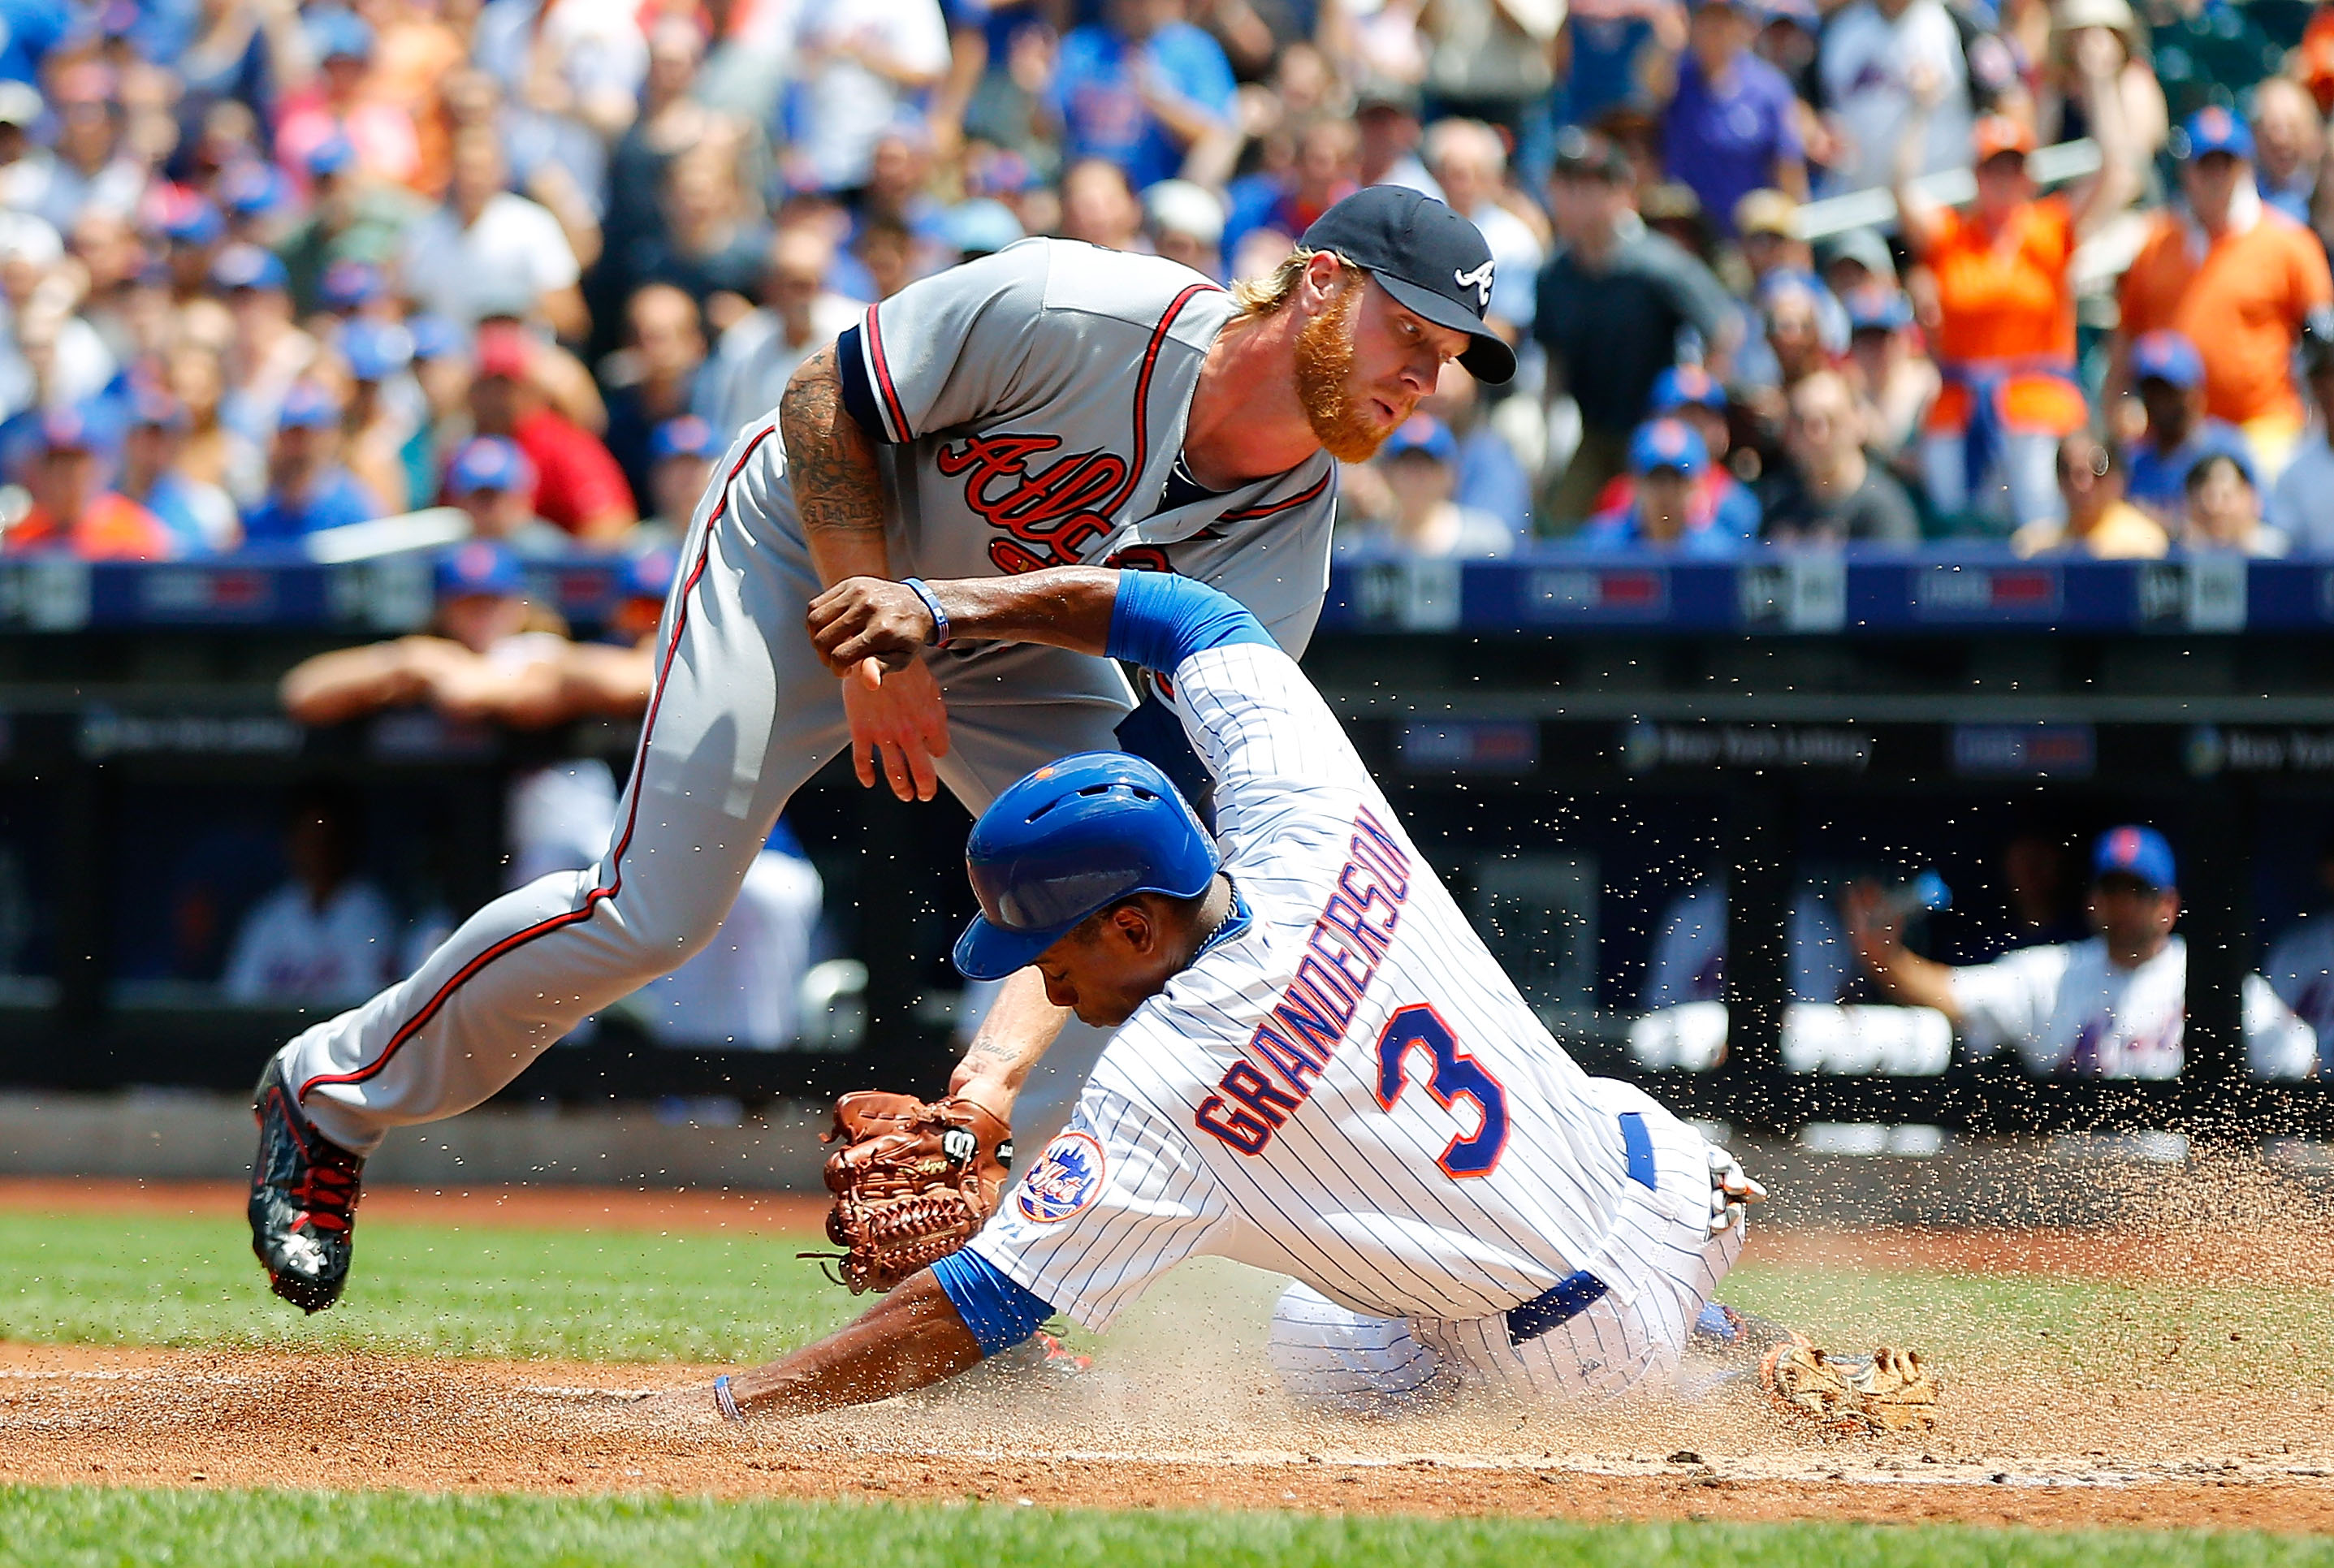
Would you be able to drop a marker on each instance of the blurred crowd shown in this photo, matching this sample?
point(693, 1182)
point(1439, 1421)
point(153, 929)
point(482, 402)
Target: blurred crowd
point(270, 268)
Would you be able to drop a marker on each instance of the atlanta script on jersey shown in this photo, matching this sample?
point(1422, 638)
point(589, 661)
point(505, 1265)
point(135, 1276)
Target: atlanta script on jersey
point(1030, 407)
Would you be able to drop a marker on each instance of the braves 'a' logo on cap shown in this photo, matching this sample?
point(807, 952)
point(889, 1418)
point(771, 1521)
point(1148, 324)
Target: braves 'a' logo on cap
point(1480, 280)
point(1065, 1178)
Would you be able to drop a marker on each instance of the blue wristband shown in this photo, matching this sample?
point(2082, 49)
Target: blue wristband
point(727, 1400)
point(915, 585)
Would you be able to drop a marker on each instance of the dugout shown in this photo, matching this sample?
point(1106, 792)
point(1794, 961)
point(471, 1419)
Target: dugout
point(1576, 741)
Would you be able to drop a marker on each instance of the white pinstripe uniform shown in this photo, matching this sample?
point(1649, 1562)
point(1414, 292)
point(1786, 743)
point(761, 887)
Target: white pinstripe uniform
point(1349, 1091)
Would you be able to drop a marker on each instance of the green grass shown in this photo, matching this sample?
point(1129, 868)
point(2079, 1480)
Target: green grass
point(649, 1296)
point(598, 1295)
point(646, 1296)
point(2162, 1333)
point(80, 1526)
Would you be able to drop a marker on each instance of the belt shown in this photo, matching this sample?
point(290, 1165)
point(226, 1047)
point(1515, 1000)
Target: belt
point(1575, 1293)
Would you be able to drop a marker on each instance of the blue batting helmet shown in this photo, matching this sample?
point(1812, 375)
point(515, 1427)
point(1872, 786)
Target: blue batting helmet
point(1074, 837)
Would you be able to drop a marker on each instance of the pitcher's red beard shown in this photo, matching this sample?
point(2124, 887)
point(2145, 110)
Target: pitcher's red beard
point(1325, 370)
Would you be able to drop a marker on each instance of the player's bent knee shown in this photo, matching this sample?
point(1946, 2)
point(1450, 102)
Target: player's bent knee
point(657, 938)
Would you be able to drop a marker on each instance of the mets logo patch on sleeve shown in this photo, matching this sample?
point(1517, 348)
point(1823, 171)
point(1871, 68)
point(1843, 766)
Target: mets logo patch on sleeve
point(1065, 1178)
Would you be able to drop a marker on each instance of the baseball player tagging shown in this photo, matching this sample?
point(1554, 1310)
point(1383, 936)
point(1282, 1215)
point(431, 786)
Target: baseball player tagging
point(1321, 1071)
point(1054, 403)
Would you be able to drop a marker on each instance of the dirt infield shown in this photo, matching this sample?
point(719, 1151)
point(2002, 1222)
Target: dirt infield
point(145, 1418)
point(2141, 1437)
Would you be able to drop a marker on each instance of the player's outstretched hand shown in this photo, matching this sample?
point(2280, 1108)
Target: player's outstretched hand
point(898, 723)
point(687, 1409)
point(869, 618)
point(1731, 1192)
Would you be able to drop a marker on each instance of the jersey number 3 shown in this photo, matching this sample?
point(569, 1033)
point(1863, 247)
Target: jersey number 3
point(1454, 1076)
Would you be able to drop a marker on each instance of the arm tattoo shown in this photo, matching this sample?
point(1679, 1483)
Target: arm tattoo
point(837, 486)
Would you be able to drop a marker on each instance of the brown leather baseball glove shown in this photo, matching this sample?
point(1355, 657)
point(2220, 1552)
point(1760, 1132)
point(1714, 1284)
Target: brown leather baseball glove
point(1887, 1392)
point(913, 1182)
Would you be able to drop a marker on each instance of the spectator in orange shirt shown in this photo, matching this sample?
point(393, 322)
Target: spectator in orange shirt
point(72, 509)
point(2006, 329)
point(2235, 277)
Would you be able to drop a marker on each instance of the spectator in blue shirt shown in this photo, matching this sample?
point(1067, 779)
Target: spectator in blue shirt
point(1419, 465)
point(1605, 39)
point(1670, 514)
point(307, 487)
point(1693, 395)
point(1728, 128)
point(200, 517)
point(2169, 374)
point(492, 480)
point(1141, 89)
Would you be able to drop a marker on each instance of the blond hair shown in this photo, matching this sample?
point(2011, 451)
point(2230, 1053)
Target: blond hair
point(1259, 297)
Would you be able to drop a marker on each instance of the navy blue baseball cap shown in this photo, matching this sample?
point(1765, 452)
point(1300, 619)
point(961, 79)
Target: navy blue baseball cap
point(2133, 851)
point(2210, 130)
point(489, 463)
point(2166, 356)
point(687, 436)
point(480, 567)
point(1433, 262)
point(1071, 839)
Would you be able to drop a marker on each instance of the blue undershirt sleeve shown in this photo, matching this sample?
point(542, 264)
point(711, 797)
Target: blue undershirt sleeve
point(858, 396)
point(999, 1313)
point(1159, 620)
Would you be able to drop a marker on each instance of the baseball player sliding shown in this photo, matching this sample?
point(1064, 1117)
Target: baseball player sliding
point(1319, 1070)
point(1049, 405)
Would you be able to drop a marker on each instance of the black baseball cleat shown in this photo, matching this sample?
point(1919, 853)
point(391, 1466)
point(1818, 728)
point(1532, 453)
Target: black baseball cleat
point(303, 1200)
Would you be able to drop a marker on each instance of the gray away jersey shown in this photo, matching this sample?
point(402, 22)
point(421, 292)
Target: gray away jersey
point(1349, 1091)
point(1030, 405)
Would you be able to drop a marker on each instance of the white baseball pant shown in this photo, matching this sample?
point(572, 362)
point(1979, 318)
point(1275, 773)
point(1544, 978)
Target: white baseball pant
point(1333, 1356)
point(742, 714)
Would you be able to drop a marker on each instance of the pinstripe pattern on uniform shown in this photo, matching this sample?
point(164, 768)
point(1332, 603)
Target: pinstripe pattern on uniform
point(1343, 1192)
